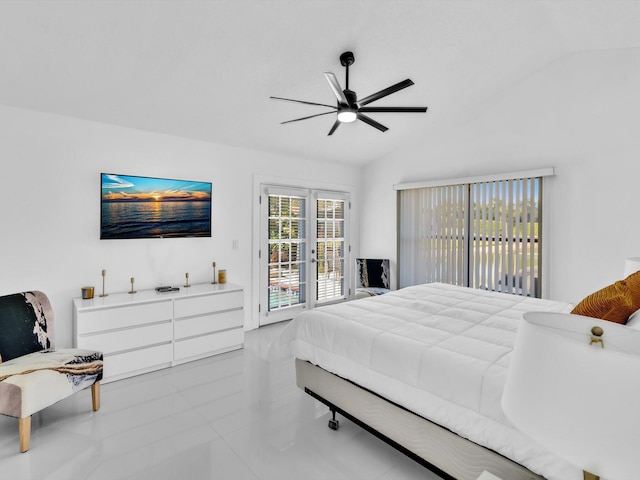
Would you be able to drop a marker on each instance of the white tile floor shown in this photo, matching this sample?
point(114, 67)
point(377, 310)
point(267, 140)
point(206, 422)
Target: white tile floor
point(234, 416)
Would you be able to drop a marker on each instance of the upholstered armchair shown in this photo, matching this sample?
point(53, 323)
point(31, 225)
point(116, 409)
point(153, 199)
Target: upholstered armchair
point(372, 277)
point(33, 374)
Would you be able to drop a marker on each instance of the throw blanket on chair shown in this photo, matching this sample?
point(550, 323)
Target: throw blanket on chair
point(70, 362)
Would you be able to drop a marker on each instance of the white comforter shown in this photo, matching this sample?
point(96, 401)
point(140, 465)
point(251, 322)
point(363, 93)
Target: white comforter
point(439, 350)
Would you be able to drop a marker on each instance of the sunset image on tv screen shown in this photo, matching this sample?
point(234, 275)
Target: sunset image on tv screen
point(147, 207)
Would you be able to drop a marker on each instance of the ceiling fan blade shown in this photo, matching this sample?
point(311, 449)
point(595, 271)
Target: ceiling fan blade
point(335, 86)
point(372, 122)
point(333, 129)
point(383, 93)
point(394, 109)
point(304, 118)
point(306, 103)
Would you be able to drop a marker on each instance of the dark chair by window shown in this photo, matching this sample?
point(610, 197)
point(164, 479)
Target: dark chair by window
point(372, 277)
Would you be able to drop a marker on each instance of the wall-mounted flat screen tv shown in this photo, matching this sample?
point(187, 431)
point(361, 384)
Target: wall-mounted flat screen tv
point(147, 207)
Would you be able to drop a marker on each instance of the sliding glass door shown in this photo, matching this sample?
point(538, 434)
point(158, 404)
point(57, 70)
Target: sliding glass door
point(484, 235)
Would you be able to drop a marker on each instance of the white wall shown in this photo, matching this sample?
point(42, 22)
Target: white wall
point(50, 208)
point(580, 114)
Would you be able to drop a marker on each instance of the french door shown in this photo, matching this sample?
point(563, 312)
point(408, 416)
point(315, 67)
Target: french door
point(304, 250)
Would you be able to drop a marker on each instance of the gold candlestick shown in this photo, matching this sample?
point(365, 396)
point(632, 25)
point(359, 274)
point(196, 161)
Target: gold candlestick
point(132, 281)
point(187, 277)
point(104, 274)
point(214, 274)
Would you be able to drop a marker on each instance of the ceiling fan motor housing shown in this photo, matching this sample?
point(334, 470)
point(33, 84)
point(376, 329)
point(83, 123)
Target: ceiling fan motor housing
point(347, 59)
point(351, 97)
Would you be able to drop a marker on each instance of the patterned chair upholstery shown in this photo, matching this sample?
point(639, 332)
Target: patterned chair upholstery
point(372, 277)
point(33, 375)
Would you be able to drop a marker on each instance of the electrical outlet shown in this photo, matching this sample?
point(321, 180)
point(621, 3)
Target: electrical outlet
point(234, 244)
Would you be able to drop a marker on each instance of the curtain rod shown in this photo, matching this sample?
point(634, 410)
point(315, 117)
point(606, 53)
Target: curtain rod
point(541, 172)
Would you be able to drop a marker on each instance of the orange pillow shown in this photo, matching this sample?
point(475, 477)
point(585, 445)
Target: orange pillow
point(614, 302)
point(633, 283)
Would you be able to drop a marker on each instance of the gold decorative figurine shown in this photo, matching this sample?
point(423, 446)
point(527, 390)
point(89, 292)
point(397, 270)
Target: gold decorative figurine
point(132, 281)
point(214, 274)
point(104, 274)
point(187, 277)
point(596, 336)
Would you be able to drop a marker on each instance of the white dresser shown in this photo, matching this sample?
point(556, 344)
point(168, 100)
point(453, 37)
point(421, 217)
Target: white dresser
point(147, 330)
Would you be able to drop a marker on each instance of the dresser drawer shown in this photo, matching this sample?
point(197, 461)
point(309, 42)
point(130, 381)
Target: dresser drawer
point(128, 338)
point(90, 321)
point(208, 344)
point(214, 322)
point(133, 362)
point(189, 307)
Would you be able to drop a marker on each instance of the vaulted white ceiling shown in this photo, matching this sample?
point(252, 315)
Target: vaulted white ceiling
point(205, 69)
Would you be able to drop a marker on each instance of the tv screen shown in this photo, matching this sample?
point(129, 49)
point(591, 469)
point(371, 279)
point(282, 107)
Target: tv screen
point(147, 207)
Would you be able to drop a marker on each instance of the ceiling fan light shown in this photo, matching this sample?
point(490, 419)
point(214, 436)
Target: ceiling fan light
point(347, 116)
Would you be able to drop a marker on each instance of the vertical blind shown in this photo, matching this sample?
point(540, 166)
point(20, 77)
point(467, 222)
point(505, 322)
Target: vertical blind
point(432, 235)
point(483, 234)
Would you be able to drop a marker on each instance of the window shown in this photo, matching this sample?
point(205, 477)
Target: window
point(483, 234)
point(330, 242)
point(287, 242)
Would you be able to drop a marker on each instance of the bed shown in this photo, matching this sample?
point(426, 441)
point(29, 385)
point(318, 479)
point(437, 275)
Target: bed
point(424, 368)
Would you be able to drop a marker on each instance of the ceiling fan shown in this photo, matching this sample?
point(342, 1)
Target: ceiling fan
point(350, 108)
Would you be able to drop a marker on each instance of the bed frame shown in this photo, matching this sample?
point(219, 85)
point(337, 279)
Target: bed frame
point(446, 453)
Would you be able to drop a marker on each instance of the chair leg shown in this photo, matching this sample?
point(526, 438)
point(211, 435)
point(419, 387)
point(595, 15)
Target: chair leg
point(95, 396)
point(24, 429)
